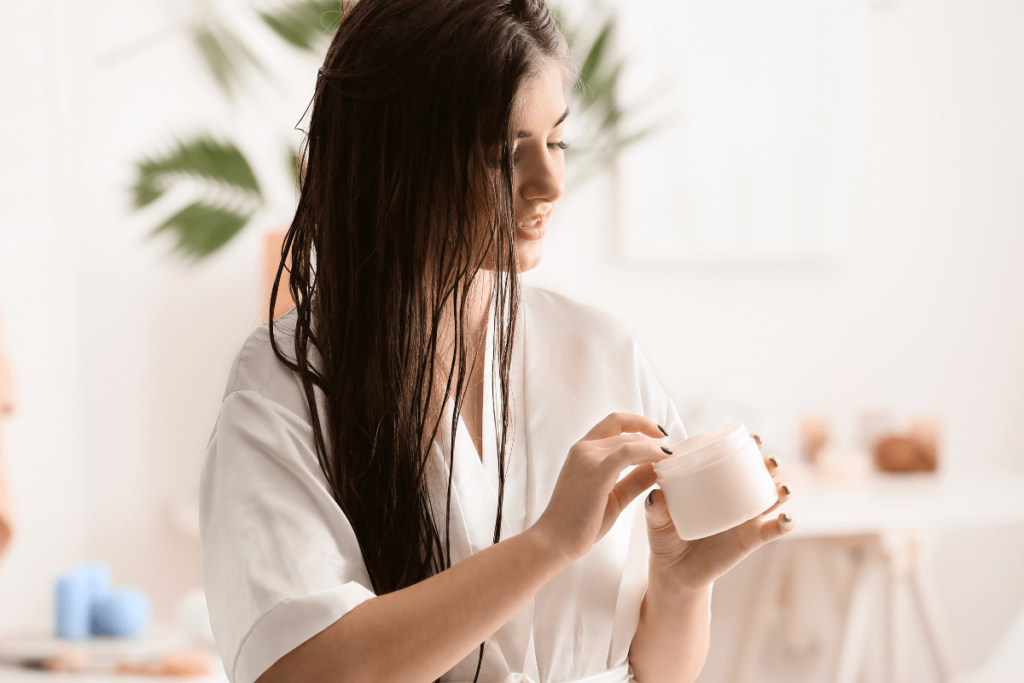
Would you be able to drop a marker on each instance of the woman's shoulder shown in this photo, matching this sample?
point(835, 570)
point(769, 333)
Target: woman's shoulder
point(570, 317)
point(571, 336)
point(257, 368)
point(551, 315)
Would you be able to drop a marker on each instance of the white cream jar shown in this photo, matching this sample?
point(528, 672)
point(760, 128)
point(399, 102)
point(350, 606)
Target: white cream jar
point(715, 481)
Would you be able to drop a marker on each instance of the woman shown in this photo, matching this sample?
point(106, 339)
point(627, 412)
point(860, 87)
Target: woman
point(416, 471)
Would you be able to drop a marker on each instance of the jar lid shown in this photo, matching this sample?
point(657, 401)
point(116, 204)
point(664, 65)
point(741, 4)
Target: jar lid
point(703, 449)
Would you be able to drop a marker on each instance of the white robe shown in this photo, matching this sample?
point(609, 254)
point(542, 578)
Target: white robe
point(281, 561)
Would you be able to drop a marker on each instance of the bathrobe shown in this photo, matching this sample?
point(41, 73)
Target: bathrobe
point(281, 561)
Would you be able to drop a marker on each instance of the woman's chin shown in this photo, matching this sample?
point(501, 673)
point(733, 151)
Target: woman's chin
point(530, 252)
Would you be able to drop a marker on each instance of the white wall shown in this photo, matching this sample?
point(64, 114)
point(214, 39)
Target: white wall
point(121, 351)
point(39, 241)
point(161, 342)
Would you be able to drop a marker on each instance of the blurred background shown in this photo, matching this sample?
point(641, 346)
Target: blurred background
point(810, 214)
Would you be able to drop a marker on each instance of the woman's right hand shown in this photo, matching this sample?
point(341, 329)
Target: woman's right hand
point(588, 495)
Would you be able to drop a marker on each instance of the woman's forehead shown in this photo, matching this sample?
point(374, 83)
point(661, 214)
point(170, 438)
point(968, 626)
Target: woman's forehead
point(541, 102)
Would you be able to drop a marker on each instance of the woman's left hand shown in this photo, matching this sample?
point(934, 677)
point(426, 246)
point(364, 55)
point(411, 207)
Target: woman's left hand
point(693, 565)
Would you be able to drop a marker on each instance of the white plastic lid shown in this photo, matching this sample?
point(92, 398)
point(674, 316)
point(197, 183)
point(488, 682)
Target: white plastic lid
point(703, 449)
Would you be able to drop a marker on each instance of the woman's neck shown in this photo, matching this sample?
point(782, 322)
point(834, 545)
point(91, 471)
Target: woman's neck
point(478, 308)
point(476, 320)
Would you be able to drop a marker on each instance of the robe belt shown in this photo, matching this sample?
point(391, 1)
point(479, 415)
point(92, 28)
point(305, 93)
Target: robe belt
point(620, 674)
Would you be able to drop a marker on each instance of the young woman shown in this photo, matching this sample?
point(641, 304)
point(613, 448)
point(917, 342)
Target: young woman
point(427, 470)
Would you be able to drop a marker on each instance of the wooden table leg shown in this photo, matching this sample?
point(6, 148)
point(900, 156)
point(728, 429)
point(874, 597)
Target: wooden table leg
point(850, 661)
point(935, 634)
point(759, 613)
point(895, 623)
point(905, 574)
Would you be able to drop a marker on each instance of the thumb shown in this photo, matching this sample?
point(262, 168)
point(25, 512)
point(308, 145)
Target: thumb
point(661, 532)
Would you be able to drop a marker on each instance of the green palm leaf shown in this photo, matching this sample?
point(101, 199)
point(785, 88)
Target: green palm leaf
point(230, 193)
point(595, 53)
point(305, 24)
point(202, 158)
point(202, 228)
point(225, 55)
point(296, 166)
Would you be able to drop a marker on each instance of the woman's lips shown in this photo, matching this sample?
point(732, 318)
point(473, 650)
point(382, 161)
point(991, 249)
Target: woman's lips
point(532, 229)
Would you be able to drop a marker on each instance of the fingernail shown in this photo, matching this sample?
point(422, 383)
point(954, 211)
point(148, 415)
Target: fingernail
point(786, 519)
point(667, 451)
point(756, 438)
point(662, 430)
point(774, 461)
point(785, 489)
point(650, 498)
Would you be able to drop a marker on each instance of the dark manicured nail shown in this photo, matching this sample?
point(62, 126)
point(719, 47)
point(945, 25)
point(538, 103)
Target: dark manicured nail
point(786, 519)
point(774, 461)
point(667, 451)
point(650, 498)
point(785, 489)
point(662, 430)
point(756, 438)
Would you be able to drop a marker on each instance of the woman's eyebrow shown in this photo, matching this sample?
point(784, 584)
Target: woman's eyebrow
point(526, 133)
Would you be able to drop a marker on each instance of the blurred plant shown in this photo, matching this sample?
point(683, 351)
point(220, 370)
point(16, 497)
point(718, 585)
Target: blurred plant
point(224, 53)
point(227, 193)
point(605, 124)
point(305, 24)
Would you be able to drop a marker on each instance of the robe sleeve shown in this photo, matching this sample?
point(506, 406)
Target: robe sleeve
point(280, 559)
point(658, 405)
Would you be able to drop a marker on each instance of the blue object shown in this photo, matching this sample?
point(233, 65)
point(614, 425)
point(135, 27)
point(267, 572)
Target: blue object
point(121, 613)
point(74, 594)
point(72, 603)
point(96, 576)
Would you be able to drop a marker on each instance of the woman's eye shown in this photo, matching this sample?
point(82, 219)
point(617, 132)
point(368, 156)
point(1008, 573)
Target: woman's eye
point(561, 144)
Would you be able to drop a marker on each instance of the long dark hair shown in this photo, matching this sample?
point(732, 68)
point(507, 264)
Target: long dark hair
point(407, 190)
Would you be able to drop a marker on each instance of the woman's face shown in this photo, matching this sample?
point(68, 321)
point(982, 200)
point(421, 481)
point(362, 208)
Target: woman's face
point(539, 161)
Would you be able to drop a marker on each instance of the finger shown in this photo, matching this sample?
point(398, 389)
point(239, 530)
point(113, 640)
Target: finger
point(633, 484)
point(658, 518)
point(784, 493)
point(772, 463)
point(776, 527)
point(662, 537)
point(618, 423)
point(624, 492)
point(635, 453)
point(629, 437)
point(757, 439)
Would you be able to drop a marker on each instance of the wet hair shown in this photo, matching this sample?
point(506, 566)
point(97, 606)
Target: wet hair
point(407, 189)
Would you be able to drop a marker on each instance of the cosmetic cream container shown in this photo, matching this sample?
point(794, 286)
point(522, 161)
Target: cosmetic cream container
point(716, 480)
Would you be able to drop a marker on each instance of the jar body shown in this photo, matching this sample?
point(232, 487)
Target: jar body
point(717, 481)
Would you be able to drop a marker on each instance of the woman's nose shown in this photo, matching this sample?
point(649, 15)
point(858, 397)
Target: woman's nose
point(544, 180)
